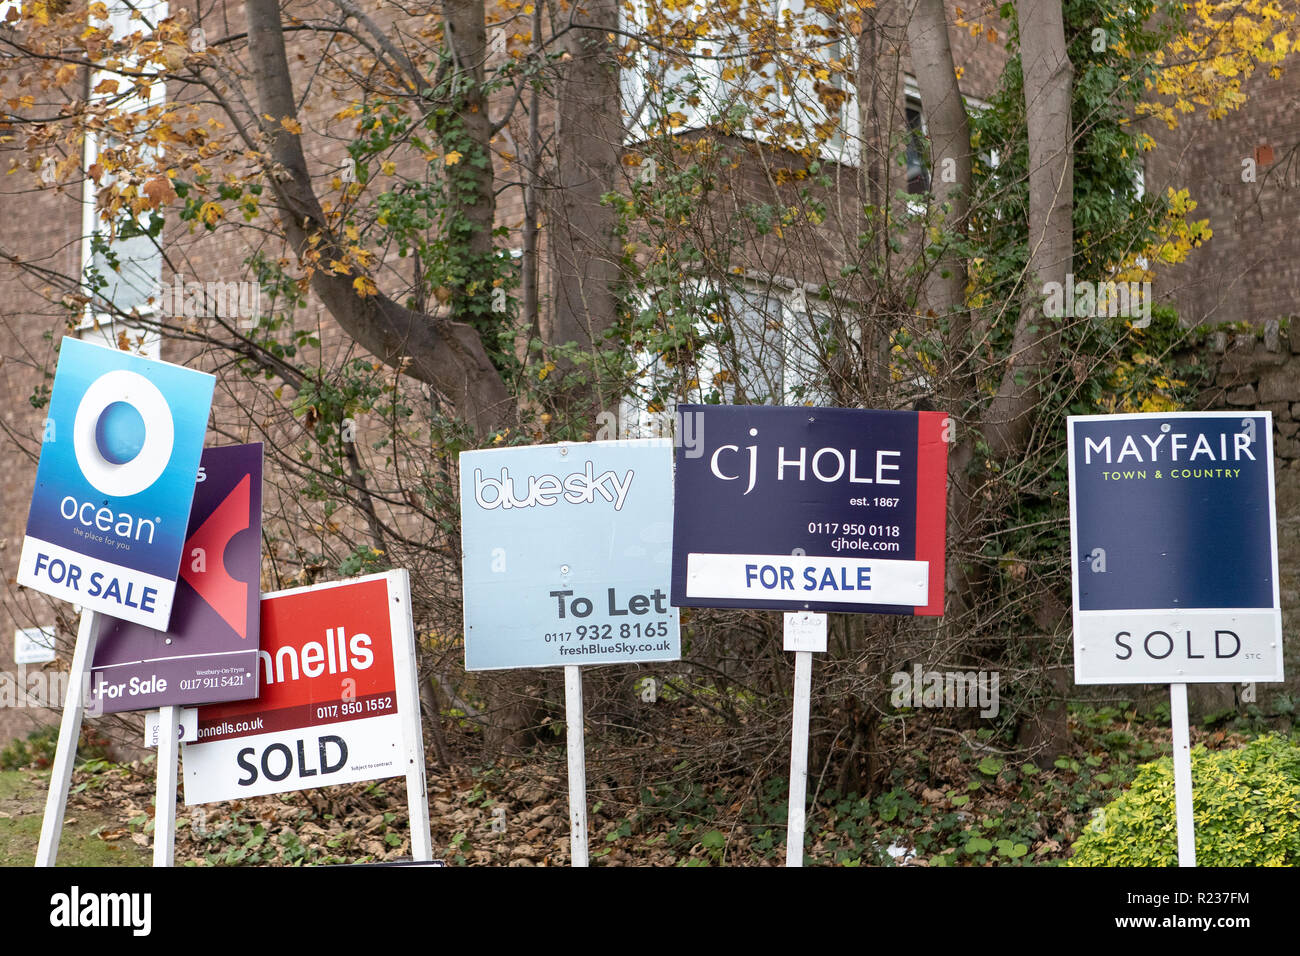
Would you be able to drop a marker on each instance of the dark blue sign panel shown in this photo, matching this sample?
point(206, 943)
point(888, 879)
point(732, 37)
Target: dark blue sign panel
point(1175, 551)
point(819, 509)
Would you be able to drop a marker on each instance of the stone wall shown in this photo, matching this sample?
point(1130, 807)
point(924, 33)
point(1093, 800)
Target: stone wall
point(1259, 369)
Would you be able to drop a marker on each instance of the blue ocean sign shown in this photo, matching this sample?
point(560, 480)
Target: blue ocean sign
point(115, 482)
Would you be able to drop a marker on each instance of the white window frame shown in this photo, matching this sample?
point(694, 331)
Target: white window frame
point(912, 96)
point(144, 341)
point(716, 93)
point(796, 303)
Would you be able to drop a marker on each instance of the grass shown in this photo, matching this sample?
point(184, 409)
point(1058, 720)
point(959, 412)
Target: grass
point(22, 804)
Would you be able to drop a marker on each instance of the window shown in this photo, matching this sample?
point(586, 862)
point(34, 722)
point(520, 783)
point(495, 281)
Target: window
point(764, 342)
point(122, 265)
point(918, 167)
point(797, 94)
point(817, 91)
point(917, 146)
point(685, 84)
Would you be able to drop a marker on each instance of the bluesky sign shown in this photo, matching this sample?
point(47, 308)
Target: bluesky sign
point(209, 652)
point(566, 553)
point(810, 509)
point(1174, 541)
point(115, 482)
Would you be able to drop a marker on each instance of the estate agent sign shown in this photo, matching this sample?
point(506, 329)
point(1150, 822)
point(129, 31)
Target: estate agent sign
point(1174, 541)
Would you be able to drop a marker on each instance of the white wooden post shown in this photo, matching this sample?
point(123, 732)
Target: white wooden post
point(65, 755)
point(164, 804)
point(1182, 775)
point(577, 765)
point(804, 633)
point(417, 791)
point(799, 758)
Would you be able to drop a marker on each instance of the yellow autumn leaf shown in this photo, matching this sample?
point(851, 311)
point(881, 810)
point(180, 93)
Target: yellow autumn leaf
point(388, 167)
point(452, 158)
point(292, 125)
point(365, 286)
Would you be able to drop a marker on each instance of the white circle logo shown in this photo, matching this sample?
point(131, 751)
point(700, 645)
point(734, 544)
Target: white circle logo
point(123, 433)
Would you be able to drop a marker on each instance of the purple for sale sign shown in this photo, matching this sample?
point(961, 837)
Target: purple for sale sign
point(209, 652)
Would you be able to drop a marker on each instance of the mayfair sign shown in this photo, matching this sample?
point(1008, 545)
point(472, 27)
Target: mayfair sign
point(1174, 540)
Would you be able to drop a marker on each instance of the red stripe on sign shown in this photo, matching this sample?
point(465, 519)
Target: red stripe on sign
point(932, 502)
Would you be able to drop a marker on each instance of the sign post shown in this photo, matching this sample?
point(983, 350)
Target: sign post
point(1182, 755)
point(567, 550)
point(1173, 533)
point(804, 633)
point(809, 510)
point(65, 754)
point(164, 817)
point(114, 488)
point(34, 645)
point(577, 764)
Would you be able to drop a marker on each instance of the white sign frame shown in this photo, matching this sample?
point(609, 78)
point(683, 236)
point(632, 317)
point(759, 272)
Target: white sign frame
point(406, 688)
point(1091, 628)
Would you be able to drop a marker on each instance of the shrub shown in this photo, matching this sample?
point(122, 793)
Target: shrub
point(1246, 806)
point(36, 751)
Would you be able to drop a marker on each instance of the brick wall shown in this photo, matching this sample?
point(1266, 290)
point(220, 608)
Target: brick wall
point(41, 227)
point(1249, 271)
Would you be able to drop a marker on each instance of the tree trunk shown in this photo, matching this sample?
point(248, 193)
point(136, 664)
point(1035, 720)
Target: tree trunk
point(448, 355)
point(1048, 82)
point(472, 190)
point(881, 124)
point(581, 237)
point(950, 162)
point(948, 129)
point(880, 106)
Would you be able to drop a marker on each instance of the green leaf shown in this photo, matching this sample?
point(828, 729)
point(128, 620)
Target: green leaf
point(978, 845)
point(713, 840)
